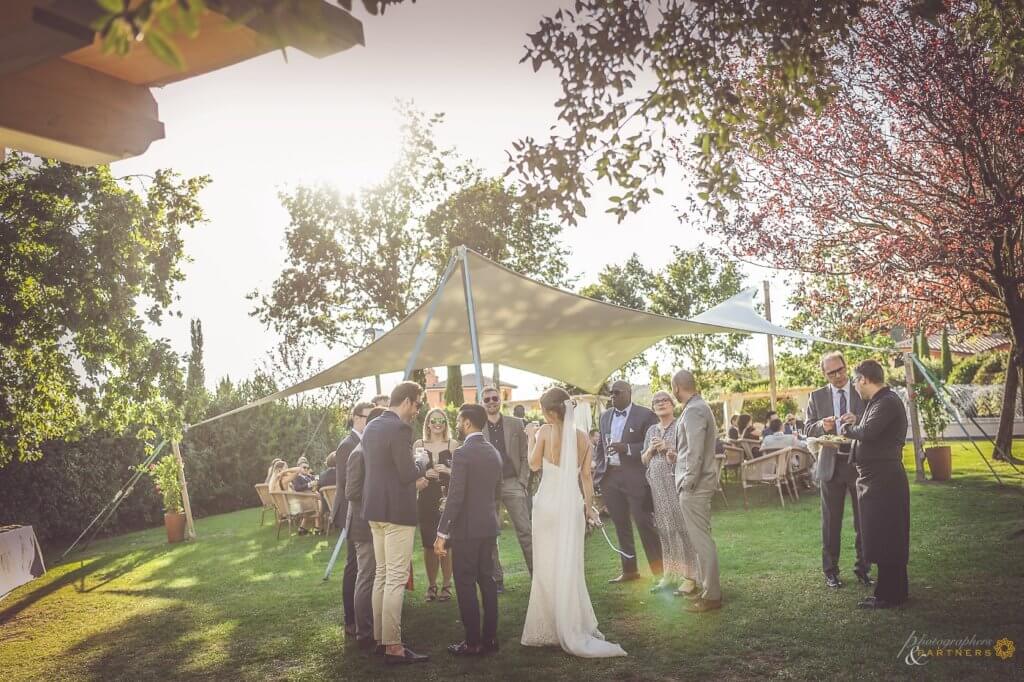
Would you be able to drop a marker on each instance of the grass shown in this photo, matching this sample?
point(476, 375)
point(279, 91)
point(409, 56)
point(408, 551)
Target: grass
point(237, 604)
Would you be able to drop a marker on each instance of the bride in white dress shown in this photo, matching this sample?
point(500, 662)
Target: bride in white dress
point(560, 612)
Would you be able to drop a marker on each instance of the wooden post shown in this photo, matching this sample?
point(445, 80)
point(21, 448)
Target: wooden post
point(771, 346)
point(190, 528)
point(915, 425)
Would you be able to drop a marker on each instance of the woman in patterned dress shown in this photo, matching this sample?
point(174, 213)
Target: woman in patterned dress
point(679, 560)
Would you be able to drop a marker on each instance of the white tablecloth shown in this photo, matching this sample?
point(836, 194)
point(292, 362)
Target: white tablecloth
point(21, 560)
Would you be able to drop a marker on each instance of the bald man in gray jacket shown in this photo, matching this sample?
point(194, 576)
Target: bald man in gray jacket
point(696, 473)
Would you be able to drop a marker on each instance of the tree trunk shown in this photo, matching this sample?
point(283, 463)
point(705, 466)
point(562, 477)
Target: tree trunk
point(1004, 437)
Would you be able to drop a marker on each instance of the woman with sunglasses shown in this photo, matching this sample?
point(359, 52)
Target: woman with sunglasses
point(439, 447)
point(677, 552)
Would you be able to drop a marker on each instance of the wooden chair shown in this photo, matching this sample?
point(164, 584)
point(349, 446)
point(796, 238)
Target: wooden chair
point(801, 462)
point(720, 461)
point(748, 445)
point(263, 490)
point(734, 457)
point(330, 492)
point(770, 469)
point(292, 506)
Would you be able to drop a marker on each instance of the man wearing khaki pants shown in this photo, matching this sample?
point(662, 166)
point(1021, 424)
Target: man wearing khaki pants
point(696, 473)
point(389, 505)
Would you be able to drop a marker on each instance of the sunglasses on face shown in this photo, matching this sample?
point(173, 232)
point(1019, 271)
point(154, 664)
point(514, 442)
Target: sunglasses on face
point(492, 399)
point(661, 401)
point(835, 372)
point(438, 420)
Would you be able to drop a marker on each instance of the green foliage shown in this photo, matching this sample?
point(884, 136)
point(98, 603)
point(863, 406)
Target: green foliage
point(196, 395)
point(82, 253)
point(370, 258)
point(933, 415)
point(453, 393)
point(947, 355)
point(164, 473)
point(983, 368)
point(925, 351)
point(692, 282)
point(758, 408)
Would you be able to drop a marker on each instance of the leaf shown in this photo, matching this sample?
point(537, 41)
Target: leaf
point(164, 49)
point(112, 6)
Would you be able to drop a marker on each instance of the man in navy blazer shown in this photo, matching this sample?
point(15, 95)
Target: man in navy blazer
point(622, 476)
point(470, 524)
point(389, 505)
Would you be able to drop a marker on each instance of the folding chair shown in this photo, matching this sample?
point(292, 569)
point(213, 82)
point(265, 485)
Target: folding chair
point(263, 490)
point(770, 469)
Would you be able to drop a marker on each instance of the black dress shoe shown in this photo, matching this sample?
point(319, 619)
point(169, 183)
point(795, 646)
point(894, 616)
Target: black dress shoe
point(625, 578)
point(874, 603)
point(407, 656)
point(833, 581)
point(864, 578)
point(463, 649)
point(366, 643)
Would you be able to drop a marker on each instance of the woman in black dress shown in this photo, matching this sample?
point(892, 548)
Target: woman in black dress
point(439, 447)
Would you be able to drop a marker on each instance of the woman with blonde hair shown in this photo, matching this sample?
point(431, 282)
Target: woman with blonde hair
point(438, 445)
point(680, 562)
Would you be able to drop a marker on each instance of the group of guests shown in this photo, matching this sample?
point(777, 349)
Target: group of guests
point(300, 478)
point(394, 485)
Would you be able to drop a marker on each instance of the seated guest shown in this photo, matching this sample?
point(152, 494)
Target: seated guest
point(785, 427)
point(276, 467)
point(303, 481)
point(776, 439)
point(734, 429)
point(745, 425)
point(361, 544)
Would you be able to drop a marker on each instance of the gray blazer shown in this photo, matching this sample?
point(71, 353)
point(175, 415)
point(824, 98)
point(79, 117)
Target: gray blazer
point(516, 446)
point(696, 432)
point(819, 406)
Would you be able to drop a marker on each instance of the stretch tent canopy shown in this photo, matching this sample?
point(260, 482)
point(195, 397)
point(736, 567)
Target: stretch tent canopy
point(528, 325)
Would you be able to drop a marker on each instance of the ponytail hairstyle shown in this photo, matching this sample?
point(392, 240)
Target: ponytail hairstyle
point(553, 402)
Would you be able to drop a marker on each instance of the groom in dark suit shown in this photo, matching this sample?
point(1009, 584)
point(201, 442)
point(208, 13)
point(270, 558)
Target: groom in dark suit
point(622, 477)
point(470, 524)
point(836, 474)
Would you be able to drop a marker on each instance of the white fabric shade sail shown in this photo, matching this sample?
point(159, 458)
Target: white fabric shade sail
point(527, 325)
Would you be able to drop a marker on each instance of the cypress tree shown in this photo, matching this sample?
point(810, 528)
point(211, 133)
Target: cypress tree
point(926, 352)
point(453, 394)
point(947, 355)
point(196, 397)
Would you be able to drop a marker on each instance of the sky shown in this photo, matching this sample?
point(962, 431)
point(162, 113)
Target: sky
point(267, 125)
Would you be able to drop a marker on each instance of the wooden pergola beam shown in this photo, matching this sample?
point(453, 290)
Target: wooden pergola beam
point(61, 110)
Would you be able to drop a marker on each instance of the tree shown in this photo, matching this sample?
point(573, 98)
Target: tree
point(947, 355)
point(453, 393)
point(926, 351)
point(910, 183)
point(196, 395)
point(691, 283)
point(370, 258)
point(81, 253)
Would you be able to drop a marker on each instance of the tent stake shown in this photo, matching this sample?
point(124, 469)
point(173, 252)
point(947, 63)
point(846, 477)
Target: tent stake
point(467, 288)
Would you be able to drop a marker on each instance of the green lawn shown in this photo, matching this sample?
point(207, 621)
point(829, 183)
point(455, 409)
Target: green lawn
point(237, 604)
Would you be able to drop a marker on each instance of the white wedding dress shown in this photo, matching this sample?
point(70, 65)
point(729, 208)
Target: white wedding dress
point(560, 612)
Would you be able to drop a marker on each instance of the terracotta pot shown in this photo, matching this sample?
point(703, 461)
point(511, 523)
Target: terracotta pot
point(175, 525)
point(940, 462)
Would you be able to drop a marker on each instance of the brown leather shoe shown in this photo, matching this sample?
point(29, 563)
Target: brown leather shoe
point(702, 605)
point(625, 578)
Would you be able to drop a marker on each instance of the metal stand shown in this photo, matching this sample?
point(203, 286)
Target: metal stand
point(474, 340)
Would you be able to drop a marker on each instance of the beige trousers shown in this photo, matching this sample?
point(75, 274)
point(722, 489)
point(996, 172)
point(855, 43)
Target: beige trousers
point(392, 549)
point(696, 507)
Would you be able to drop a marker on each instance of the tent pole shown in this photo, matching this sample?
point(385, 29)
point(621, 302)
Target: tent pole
point(915, 426)
point(411, 364)
point(771, 346)
point(474, 340)
point(190, 528)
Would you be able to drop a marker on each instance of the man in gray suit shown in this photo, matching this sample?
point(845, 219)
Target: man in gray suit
point(836, 473)
point(696, 474)
point(508, 437)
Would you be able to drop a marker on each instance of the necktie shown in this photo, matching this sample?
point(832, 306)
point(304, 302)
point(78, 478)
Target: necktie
point(842, 402)
point(620, 413)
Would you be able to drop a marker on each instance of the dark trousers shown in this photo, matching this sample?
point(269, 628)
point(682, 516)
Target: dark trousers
point(348, 582)
point(628, 499)
point(473, 566)
point(891, 583)
point(833, 502)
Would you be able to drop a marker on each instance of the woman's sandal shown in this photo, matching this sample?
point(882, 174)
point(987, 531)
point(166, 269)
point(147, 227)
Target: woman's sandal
point(432, 593)
point(446, 594)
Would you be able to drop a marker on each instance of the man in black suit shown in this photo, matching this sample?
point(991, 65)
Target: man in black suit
point(836, 474)
point(360, 543)
point(470, 524)
point(340, 511)
point(389, 505)
point(882, 487)
point(622, 476)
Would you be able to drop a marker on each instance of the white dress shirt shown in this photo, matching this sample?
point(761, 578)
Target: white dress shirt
point(835, 400)
point(617, 427)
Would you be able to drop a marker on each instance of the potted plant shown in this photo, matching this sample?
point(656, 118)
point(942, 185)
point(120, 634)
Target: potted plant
point(165, 476)
point(934, 421)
